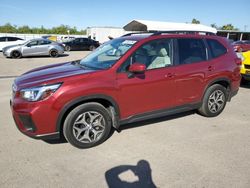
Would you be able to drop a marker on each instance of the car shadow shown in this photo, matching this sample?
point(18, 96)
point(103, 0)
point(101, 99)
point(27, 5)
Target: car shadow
point(62, 139)
point(141, 174)
point(245, 85)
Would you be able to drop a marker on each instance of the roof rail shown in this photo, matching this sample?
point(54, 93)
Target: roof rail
point(138, 33)
point(182, 32)
point(154, 33)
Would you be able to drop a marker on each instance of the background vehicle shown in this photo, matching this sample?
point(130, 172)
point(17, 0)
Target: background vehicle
point(34, 47)
point(245, 67)
point(128, 79)
point(7, 41)
point(81, 44)
point(241, 46)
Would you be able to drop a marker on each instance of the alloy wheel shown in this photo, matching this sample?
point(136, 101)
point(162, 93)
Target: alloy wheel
point(216, 101)
point(89, 127)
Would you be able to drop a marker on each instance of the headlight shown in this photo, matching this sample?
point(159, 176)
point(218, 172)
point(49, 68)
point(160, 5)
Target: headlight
point(39, 93)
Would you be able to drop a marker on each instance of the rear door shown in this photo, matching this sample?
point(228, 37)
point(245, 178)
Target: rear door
point(43, 47)
point(191, 71)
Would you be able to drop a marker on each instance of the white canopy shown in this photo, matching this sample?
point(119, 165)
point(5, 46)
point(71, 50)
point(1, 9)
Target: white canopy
point(146, 25)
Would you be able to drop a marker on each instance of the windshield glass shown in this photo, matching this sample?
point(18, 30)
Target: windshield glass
point(107, 54)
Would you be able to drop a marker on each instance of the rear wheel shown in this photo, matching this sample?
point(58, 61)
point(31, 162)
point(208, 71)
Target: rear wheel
point(214, 101)
point(16, 54)
point(87, 125)
point(67, 48)
point(53, 53)
point(92, 47)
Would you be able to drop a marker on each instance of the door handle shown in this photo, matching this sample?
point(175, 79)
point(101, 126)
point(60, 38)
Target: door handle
point(169, 75)
point(210, 68)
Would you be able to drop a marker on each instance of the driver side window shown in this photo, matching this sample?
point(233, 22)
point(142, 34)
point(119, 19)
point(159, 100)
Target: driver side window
point(33, 43)
point(155, 54)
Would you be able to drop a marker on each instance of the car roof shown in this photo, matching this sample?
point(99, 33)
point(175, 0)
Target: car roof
point(165, 34)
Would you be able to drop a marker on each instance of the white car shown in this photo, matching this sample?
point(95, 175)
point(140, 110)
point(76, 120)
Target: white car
point(7, 41)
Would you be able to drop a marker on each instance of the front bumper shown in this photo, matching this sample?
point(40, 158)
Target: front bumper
point(26, 125)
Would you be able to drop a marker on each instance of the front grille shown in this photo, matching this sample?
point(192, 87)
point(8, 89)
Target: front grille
point(247, 66)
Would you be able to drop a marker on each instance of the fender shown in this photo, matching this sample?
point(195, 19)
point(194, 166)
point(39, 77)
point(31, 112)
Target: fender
point(218, 80)
point(80, 100)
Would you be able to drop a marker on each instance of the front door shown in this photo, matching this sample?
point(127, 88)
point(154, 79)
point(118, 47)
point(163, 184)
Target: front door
point(150, 91)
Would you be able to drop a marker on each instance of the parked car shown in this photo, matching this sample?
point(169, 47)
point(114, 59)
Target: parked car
point(34, 47)
point(81, 44)
point(245, 67)
point(7, 41)
point(153, 75)
point(241, 46)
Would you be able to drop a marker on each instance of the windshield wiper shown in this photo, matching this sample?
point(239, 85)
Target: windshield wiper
point(90, 67)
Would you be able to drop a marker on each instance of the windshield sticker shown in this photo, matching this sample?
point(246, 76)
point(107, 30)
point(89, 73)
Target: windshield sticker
point(129, 42)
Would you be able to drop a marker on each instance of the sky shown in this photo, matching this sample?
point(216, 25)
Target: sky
point(117, 13)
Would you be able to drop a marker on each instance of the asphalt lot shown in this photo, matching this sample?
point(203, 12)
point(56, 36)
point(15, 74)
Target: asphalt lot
point(185, 150)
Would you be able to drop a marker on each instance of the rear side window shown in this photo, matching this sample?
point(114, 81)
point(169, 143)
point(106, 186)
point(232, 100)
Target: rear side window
point(12, 39)
point(44, 42)
point(217, 49)
point(191, 51)
point(2, 39)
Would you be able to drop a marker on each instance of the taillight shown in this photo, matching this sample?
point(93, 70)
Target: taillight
point(238, 61)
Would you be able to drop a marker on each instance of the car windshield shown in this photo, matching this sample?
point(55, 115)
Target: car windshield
point(107, 54)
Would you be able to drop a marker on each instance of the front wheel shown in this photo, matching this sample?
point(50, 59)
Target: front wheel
point(16, 54)
point(53, 53)
point(214, 101)
point(87, 125)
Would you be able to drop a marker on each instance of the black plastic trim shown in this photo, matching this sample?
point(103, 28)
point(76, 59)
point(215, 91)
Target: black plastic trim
point(160, 113)
point(82, 100)
point(27, 123)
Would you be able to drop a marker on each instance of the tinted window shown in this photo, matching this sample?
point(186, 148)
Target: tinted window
point(32, 43)
point(44, 42)
point(2, 39)
point(217, 49)
point(155, 54)
point(12, 39)
point(191, 50)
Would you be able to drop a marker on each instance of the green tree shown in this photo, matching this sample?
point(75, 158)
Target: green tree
point(7, 28)
point(195, 21)
point(24, 29)
point(229, 27)
point(214, 26)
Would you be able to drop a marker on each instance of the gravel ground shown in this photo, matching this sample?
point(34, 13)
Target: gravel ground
point(185, 150)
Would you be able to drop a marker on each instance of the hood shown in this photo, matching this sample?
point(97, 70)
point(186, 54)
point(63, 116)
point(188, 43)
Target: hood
point(12, 46)
point(48, 73)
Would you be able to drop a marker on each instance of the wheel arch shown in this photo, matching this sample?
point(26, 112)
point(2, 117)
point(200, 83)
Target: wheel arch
point(107, 101)
point(221, 81)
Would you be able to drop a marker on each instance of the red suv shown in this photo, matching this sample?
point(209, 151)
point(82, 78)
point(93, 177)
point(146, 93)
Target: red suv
point(128, 79)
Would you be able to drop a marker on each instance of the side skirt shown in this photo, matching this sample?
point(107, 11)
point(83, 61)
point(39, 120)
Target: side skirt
point(160, 113)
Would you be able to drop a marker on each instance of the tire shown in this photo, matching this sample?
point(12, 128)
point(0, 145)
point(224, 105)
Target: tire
point(92, 47)
point(16, 54)
point(67, 48)
point(53, 53)
point(87, 125)
point(214, 101)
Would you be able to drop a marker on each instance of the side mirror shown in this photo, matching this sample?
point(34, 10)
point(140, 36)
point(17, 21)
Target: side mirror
point(28, 45)
point(137, 68)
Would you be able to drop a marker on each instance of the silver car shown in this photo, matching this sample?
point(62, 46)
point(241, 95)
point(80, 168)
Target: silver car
point(34, 47)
